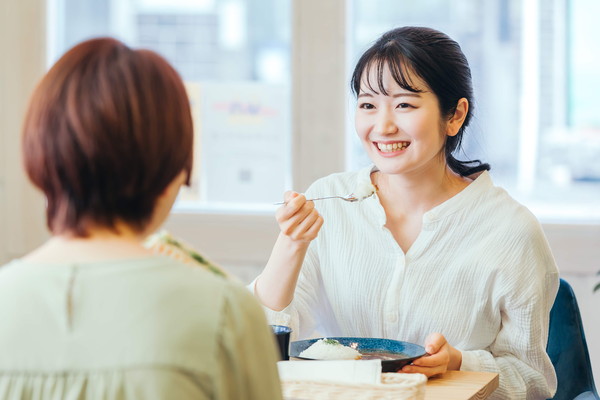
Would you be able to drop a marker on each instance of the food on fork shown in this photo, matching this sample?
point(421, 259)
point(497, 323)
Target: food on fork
point(330, 349)
point(364, 190)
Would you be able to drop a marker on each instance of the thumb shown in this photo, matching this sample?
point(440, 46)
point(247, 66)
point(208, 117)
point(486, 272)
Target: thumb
point(434, 343)
point(289, 195)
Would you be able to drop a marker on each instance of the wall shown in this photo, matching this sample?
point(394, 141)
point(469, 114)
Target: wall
point(22, 41)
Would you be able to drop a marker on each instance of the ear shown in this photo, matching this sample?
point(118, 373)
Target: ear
point(456, 120)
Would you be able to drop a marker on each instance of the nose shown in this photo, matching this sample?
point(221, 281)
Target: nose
point(385, 123)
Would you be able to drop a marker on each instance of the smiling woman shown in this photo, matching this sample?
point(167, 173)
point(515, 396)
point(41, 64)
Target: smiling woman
point(437, 228)
point(387, 72)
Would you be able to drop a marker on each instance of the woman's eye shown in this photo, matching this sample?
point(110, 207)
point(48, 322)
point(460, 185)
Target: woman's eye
point(404, 105)
point(366, 106)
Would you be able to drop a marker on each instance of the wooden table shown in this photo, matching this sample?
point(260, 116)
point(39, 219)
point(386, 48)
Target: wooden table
point(461, 385)
point(452, 385)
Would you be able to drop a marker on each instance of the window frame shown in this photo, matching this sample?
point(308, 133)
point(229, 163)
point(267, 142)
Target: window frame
point(319, 104)
point(318, 112)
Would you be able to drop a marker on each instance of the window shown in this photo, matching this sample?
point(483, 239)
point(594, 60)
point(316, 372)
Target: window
point(269, 80)
point(535, 79)
point(245, 63)
point(235, 58)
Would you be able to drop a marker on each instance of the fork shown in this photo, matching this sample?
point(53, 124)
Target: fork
point(350, 198)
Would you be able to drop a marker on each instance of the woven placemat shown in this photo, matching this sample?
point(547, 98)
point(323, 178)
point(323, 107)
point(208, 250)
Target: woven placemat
point(394, 386)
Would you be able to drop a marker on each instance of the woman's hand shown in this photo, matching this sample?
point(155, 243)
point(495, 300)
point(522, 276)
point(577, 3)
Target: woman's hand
point(441, 357)
point(299, 223)
point(298, 219)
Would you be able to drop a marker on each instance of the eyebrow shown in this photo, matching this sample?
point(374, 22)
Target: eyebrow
point(396, 95)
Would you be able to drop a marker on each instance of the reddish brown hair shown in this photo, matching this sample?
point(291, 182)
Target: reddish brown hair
point(107, 129)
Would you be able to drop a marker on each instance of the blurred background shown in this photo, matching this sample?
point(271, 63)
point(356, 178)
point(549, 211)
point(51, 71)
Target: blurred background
point(269, 85)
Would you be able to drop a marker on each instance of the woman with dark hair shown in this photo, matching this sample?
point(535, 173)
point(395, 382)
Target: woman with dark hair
point(438, 255)
point(93, 314)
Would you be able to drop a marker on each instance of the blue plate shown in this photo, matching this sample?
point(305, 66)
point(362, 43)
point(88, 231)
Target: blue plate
point(406, 352)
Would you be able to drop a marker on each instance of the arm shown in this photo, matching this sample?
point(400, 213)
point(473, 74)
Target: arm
point(300, 223)
point(519, 351)
point(521, 292)
point(526, 291)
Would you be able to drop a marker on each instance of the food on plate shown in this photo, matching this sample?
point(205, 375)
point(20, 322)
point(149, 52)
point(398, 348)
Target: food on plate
point(330, 349)
point(381, 355)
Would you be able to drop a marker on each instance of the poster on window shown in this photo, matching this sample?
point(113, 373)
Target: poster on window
point(244, 151)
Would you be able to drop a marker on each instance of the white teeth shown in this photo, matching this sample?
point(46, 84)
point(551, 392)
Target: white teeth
point(389, 147)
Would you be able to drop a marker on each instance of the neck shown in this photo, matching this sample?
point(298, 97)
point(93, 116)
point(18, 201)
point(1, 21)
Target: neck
point(100, 245)
point(419, 192)
point(121, 232)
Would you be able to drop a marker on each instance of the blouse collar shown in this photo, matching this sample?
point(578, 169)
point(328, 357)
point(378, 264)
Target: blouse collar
point(462, 200)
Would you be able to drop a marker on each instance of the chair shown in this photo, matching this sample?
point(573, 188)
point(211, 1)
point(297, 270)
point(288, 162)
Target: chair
point(568, 350)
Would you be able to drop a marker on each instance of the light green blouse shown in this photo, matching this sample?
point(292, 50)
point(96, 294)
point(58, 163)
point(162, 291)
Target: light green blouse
point(147, 328)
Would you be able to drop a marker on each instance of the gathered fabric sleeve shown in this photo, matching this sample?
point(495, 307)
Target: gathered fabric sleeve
point(302, 313)
point(525, 294)
point(247, 354)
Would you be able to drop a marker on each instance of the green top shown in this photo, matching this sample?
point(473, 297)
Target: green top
point(148, 328)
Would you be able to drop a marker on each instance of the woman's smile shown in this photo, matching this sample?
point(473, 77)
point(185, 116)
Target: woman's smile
point(401, 129)
point(391, 149)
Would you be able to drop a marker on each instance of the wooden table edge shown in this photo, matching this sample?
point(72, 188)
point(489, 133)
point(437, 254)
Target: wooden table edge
point(459, 381)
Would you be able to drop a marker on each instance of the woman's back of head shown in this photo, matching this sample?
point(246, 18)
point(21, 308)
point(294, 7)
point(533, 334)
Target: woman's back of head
point(108, 128)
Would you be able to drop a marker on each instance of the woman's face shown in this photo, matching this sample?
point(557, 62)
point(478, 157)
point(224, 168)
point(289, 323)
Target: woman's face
point(401, 131)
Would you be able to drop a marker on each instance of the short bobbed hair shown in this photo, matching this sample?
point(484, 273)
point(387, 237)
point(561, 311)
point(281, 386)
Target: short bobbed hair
point(107, 129)
point(439, 62)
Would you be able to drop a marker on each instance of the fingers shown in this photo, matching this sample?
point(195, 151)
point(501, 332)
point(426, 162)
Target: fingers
point(294, 212)
point(436, 361)
point(432, 360)
point(298, 218)
point(292, 203)
point(434, 343)
point(429, 372)
point(429, 365)
point(315, 228)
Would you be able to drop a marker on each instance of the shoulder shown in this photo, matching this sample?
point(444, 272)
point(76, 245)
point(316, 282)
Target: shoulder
point(497, 206)
point(339, 183)
point(242, 309)
point(192, 279)
point(219, 294)
point(513, 228)
point(515, 238)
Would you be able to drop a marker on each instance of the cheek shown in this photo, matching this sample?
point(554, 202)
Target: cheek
point(360, 127)
point(424, 128)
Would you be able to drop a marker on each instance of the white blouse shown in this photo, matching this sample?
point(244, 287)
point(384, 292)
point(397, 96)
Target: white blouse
point(480, 272)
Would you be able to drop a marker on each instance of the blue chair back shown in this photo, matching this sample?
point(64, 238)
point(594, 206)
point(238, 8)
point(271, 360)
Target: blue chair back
point(567, 348)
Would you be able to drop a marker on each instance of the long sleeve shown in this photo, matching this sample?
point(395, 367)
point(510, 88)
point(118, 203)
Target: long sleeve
point(480, 272)
point(247, 354)
point(526, 293)
point(302, 313)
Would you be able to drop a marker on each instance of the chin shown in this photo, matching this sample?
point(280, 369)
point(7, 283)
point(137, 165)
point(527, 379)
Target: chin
point(388, 169)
